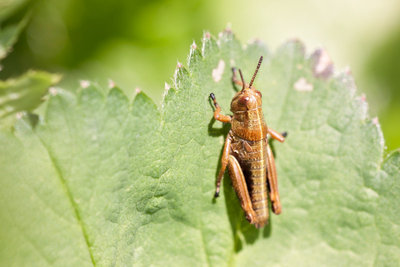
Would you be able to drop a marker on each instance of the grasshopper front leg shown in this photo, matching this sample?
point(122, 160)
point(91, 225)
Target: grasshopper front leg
point(225, 155)
point(217, 112)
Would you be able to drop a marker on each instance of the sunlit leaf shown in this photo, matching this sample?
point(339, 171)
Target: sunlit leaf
point(100, 180)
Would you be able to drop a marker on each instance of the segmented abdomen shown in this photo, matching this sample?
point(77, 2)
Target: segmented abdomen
point(252, 159)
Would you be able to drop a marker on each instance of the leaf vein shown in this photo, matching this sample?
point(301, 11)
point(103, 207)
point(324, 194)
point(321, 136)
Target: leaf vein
point(70, 198)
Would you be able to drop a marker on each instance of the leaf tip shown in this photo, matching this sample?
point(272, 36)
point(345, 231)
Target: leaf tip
point(111, 84)
point(294, 44)
point(142, 100)
point(84, 84)
point(347, 70)
point(180, 73)
point(255, 41)
point(177, 70)
point(227, 31)
point(194, 46)
point(225, 36)
point(363, 97)
point(375, 121)
point(194, 54)
point(208, 44)
point(116, 97)
point(19, 115)
point(53, 91)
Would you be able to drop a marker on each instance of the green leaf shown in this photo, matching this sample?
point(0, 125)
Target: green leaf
point(23, 93)
point(100, 180)
point(9, 35)
point(8, 7)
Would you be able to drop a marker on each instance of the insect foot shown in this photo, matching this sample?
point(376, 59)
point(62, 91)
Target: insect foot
point(216, 193)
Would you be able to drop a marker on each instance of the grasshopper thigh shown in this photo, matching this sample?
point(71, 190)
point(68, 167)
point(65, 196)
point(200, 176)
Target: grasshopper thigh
point(240, 186)
point(273, 182)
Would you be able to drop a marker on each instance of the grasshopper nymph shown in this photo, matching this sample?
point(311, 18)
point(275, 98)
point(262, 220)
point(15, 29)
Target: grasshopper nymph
point(247, 155)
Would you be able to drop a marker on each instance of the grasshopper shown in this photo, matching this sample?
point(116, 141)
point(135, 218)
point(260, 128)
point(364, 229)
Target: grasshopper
point(247, 155)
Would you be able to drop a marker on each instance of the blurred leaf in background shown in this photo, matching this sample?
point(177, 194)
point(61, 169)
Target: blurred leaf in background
point(22, 94)
point(9, 7)
point(9, 32)
point(9, 35)
point(136, 43)
point(383, 72)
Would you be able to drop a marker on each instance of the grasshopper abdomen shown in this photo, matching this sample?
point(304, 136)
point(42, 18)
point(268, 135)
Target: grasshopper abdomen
point(252, 159)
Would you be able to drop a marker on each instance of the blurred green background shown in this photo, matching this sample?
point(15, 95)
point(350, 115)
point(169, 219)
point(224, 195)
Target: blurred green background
point(137, 43)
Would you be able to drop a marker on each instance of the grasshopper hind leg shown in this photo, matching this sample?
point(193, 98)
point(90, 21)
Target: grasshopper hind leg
point(240, 186)
point(272, 182)
point(235, 79)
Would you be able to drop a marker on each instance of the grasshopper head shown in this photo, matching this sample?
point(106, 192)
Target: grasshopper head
point(248, 98)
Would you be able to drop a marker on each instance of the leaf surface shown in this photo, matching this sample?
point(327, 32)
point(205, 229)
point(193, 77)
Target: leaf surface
point(100, 180)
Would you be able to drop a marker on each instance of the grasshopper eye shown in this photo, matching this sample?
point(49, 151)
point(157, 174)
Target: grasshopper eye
point(259, 93)
point(243, 101)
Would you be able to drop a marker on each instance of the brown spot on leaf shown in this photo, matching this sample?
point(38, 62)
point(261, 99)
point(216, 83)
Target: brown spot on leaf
point(303, 85)
point(218, 71)
point(322, 64)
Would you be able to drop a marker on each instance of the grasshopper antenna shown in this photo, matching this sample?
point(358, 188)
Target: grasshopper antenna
point(255, 73)
point(241, 77)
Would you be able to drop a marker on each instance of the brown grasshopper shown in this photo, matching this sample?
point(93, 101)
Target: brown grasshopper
point(247, 155)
